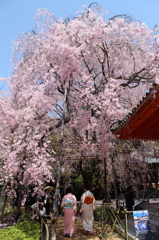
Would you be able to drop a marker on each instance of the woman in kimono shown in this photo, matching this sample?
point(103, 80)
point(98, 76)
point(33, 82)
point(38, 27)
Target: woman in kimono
point(69, 208)
point(88, 206)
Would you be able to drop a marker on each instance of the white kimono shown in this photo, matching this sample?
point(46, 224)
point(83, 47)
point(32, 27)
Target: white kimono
point(88, 206)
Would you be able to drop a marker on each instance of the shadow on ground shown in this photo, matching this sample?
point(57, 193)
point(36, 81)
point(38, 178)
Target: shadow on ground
point(78, 234)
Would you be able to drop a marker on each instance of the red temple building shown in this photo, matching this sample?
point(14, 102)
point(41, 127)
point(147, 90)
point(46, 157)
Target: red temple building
point(143, 122)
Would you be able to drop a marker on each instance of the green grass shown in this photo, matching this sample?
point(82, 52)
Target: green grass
point(25, 230)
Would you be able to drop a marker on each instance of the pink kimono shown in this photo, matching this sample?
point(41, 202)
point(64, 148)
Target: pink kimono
point(69, 205)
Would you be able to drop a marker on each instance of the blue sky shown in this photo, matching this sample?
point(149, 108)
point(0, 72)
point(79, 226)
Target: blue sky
point(17, 16)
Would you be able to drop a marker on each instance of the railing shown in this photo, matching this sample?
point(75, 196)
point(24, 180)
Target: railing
point(46, 229)
point(144, 200)
point(110, 224)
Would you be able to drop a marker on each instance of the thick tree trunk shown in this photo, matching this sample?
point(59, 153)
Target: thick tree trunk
point(87, 176)
point(3, 200)
point(19, 203)
point(57, 190)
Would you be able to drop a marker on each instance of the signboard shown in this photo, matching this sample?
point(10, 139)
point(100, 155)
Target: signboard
point(141, 221)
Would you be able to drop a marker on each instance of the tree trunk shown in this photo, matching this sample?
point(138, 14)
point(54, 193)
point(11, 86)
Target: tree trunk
point(3, 200)
point(19, 203)
point(57, 190)
point(105, 182)
point(87, 176)
point(115, 183)
point(150, 184)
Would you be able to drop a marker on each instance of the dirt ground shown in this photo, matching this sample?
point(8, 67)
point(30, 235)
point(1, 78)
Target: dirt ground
point(79, 235)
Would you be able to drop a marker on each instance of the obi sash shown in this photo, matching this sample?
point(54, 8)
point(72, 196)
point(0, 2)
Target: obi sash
point(88, 200)
point(68, 203)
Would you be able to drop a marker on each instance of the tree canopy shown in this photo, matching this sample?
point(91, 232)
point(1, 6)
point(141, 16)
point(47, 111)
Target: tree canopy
point(102, 63)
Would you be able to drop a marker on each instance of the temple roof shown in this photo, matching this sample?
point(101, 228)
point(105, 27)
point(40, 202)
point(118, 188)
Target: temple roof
point(143, 121)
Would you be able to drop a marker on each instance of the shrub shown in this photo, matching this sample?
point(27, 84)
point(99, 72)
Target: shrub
point(10, 211)
point(24, 217)
point(10, 220)
point(97, 213)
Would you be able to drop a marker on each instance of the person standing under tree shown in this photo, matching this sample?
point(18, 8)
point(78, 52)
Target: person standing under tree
point(69, 206)
point(129, 198)
point(47, 202)
point(87, 208)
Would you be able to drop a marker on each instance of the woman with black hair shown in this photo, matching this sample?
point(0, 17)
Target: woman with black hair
point(69, 206)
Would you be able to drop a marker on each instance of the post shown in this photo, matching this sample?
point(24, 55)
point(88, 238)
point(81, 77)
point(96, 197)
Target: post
point(57, 190)
point(126, 226)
